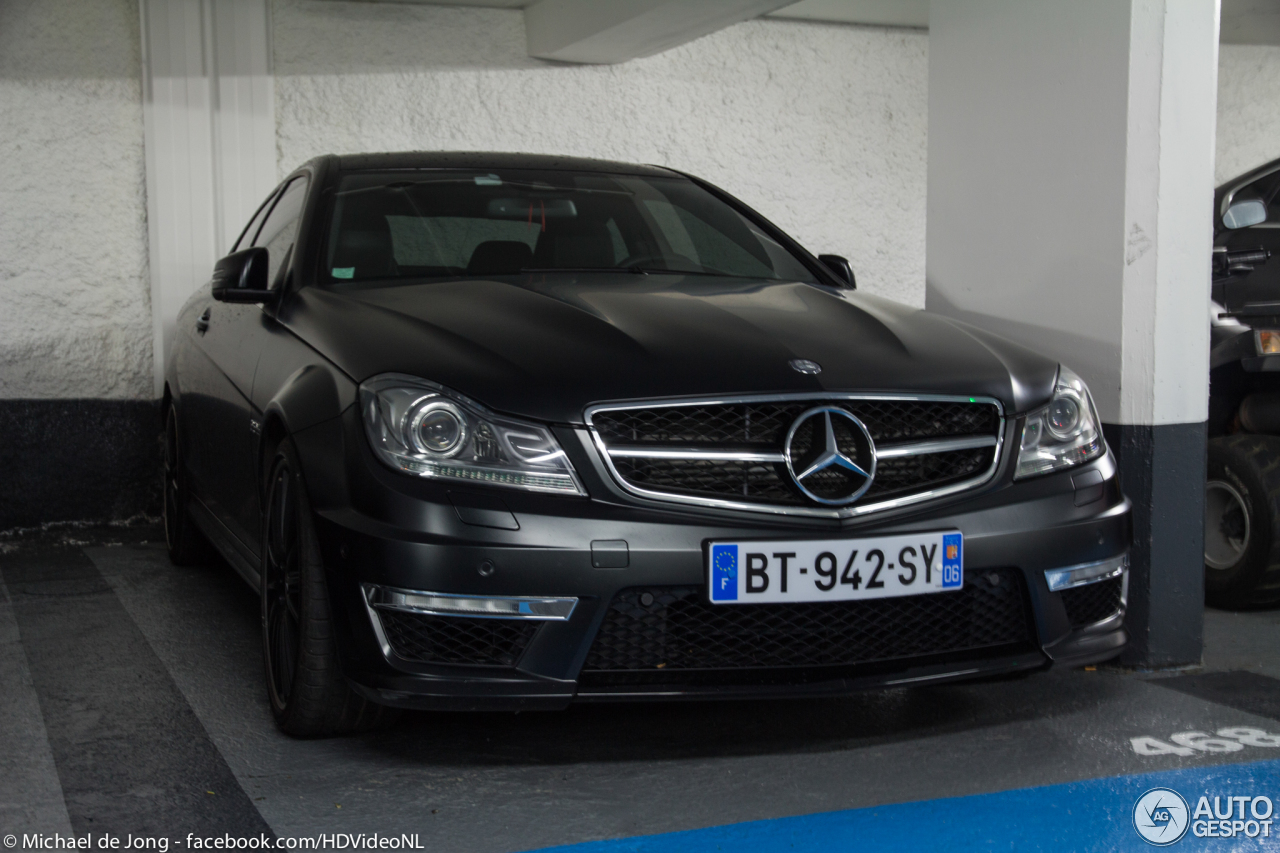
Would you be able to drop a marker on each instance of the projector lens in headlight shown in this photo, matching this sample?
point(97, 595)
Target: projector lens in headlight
point(1062, 434)
point(436, 426)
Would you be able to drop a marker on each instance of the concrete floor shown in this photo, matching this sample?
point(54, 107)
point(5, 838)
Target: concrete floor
point(133, 703)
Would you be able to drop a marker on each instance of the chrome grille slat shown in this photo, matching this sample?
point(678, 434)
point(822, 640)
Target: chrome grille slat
point(892, 451)
point(729, 452)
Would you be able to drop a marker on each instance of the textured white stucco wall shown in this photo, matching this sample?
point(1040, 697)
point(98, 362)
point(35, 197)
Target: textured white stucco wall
point(1248, 108)
point(75, 314)
point(822, 128)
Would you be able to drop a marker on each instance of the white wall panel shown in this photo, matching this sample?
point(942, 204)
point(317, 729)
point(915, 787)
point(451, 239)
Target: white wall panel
point(209, 141)
point(1070, 188)
point(822, 128)
point(75, 315)
point(1248, 108)
point(244, 114)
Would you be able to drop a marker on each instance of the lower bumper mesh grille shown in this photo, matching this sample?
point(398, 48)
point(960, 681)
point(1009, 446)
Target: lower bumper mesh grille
point(680, 637)
point(456, 639)
point(1093, 602)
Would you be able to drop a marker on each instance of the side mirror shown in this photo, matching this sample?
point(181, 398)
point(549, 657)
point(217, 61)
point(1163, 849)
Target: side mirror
point(1242, 214)
point(840, 268)
point(242, 277)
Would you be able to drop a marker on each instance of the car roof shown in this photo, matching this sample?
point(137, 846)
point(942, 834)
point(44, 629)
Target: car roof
point(492, 160)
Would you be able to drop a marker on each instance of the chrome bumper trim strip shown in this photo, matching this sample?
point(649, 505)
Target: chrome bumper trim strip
point(469, 606)
point(1070, 577)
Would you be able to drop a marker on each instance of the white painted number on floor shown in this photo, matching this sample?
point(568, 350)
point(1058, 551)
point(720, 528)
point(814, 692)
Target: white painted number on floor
point(1190, 743)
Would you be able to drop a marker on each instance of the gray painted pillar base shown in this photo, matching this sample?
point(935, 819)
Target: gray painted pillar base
point(1162, 471)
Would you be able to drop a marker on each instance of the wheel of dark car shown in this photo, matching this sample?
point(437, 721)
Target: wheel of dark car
point(1241, 518)
point(185, 543)
point(308, 692)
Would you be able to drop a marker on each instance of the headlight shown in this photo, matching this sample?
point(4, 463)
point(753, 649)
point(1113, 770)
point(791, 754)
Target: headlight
point(1062, 434)
point(420, 428)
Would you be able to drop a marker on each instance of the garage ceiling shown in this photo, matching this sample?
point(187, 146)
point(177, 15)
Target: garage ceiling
point(885, 13)
point(1250, 22)
point(1243, 21)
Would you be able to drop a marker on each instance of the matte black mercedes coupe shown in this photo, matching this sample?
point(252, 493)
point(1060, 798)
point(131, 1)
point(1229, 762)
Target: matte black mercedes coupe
point(504, 431)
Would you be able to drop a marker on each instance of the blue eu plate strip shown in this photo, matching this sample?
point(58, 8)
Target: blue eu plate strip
point(724, 572)
point(952, 560)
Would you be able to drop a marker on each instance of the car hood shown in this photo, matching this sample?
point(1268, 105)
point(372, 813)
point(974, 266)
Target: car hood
point(547, 346)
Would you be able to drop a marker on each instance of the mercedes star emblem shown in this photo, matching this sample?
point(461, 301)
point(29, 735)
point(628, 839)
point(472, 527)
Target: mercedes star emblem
point(804, 365)
point(830, 455)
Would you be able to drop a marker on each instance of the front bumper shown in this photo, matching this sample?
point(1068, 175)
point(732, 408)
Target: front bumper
point(381, 530)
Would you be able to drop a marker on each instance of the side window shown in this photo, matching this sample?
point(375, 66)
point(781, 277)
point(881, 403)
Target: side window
point(281, 227)
point(251, 230)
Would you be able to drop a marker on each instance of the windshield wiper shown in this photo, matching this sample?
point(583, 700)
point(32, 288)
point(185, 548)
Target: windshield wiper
point(631, 270)
point(656, 271)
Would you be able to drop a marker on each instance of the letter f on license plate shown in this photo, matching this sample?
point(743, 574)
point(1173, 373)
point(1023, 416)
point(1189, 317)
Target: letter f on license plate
point(724, 572)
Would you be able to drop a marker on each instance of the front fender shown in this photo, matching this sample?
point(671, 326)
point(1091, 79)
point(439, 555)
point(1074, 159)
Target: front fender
point(307, 408)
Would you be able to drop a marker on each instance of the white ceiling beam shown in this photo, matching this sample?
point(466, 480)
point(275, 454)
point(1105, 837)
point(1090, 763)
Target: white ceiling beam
point(595, 32)
point(884, 13)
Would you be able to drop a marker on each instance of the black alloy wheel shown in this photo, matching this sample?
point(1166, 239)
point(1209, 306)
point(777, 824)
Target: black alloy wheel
point(185, 543)
point(1242, 521)
point(309, 695)
point(281, 586)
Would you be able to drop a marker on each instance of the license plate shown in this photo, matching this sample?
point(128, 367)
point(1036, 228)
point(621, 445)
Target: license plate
point(835, 569)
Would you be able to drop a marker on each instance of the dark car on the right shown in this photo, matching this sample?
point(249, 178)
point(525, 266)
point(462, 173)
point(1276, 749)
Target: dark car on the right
point(1242, 488)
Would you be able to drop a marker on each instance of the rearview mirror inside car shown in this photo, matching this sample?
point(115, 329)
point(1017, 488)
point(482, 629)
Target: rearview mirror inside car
point(1242, 214)
point(242, 277)
point(840, 267)
point(532, 208)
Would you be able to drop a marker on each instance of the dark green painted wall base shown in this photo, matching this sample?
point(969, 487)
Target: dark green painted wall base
point(1162, 473)
point(78, 460)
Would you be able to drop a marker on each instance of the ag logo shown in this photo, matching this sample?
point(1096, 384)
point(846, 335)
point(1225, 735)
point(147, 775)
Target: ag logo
point(1160, 816)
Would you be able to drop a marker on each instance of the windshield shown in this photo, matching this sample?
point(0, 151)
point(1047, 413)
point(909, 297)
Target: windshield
point(466, 223)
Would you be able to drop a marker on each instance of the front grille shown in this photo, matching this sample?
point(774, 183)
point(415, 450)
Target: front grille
point(456, 639)
point(766, 424)
point(679, 637)
point(1093, 602)
point(761, 428)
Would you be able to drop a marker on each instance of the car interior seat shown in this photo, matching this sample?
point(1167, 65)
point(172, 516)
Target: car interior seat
point(499, 257)
point(580, 245)
point(367, 253)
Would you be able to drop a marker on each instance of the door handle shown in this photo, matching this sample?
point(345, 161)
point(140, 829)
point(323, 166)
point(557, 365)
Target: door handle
point(202, 322)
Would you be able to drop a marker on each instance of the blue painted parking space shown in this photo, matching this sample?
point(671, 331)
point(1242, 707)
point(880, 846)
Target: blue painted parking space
point(1092, 815)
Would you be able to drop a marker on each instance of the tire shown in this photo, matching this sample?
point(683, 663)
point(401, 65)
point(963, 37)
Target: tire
point(1242, 521)
point(309, 695)
point(186, 544)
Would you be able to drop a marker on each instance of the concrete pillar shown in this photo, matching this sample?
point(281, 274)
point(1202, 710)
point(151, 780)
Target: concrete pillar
point(1070, 208)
